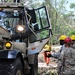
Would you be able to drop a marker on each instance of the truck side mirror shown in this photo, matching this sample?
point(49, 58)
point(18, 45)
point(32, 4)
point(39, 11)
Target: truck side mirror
point(32, 14)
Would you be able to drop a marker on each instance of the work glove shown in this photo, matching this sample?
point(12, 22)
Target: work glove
point(49, 55)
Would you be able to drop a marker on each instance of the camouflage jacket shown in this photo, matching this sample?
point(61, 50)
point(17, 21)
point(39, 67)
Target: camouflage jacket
point(57, 55)
point(73, 46)
point(66, 63)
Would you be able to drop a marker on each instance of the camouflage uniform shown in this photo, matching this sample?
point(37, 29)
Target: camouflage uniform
point(73, 46)
point(57, 55)
point(66, 63)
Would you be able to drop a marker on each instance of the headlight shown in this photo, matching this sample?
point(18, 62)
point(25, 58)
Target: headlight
point(8, 45)
point(20, 28)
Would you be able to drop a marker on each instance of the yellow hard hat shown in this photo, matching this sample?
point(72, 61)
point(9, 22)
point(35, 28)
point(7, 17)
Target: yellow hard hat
point(47, 47)
point(72, 37)
point(62, 37)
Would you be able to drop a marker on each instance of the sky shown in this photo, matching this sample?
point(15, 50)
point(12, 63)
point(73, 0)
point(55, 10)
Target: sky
point(67, 6)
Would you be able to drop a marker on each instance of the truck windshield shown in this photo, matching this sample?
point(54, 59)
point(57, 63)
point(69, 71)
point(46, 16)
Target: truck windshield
point(9, 18)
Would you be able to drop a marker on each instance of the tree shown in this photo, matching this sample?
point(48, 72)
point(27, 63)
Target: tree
point(61, 21)
point(72, 5)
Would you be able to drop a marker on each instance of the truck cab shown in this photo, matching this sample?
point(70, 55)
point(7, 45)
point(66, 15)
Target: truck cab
point(23, 34)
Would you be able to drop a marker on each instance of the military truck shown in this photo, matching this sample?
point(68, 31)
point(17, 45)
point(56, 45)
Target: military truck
point(23, 34)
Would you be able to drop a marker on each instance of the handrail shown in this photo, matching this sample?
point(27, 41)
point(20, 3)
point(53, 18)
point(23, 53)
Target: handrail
point(10, 4)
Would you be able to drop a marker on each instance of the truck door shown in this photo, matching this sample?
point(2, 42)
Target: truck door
point(41, 32)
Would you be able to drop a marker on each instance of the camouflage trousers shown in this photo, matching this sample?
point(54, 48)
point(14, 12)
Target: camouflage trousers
point(68, 73)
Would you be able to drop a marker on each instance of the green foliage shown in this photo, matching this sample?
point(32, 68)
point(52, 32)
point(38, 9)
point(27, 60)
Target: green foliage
point(54, 39)
point(8, 0)
point(62, 22)
point(72, 5)
point(72, 32)
point(44, 34)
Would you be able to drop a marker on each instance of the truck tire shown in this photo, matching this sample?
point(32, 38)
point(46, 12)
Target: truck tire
point(11, 67)
point(36, 65)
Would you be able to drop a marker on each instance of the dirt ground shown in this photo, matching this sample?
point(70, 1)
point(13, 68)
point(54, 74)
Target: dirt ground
point(50, 69)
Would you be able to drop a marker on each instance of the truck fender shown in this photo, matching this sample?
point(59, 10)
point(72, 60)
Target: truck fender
point(9, 54)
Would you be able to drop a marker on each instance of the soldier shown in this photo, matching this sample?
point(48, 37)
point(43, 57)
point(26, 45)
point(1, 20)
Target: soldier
point(73, 40)
point(57, 55)
point(66, 63)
